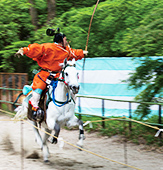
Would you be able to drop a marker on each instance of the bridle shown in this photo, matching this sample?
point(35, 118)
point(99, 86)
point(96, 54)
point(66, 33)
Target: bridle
point(54, 85)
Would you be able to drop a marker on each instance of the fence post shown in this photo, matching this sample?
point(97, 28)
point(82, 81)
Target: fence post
point(103, 113)
point(10, 80)
point(0, 90)
point(79, 108)
point(159, 121)
point(130, 116)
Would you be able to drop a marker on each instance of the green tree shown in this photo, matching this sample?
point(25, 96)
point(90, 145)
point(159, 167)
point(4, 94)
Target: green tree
point(64, 5)
point(146, 40)
point(16, 28)
point(149, 77)
point(111, 22)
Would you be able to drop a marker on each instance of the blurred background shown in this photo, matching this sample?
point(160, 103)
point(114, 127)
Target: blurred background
point(120, 28)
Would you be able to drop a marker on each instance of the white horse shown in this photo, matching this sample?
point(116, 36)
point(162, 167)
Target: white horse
point(60, 111)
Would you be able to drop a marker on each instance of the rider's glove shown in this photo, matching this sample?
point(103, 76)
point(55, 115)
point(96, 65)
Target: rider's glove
point(85, 52)
point(20, 52)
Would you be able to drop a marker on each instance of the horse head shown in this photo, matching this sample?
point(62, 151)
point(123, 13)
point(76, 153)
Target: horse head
point(70, 75)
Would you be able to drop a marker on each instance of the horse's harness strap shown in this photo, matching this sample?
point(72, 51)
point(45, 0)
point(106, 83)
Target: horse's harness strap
point(49, 79)
point(68, 65)
point(62, 102)
point(53, 82)
point(53, 72)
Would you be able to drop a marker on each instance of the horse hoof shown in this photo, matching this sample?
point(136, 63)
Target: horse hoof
point(79, 148)
point(46, 161)
point(54, 141)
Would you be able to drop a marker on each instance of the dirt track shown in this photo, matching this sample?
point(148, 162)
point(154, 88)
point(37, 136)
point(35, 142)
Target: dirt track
point(68, 157)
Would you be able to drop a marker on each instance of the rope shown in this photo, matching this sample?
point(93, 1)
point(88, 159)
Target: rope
point(154, 127)
point(75, 145)
point(106, 120)
point(7, 112)
point(83, 148)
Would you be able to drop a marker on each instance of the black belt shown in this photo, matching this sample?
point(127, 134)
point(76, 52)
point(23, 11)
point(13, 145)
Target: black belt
point(53, 72)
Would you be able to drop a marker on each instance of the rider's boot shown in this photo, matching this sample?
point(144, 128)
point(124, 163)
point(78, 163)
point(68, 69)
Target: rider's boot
point(37, 112)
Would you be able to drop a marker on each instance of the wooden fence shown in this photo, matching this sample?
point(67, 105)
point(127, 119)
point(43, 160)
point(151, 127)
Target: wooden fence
point(9, 81)
point(160, 105)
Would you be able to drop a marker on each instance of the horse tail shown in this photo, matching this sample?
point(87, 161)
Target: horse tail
point(21, 111)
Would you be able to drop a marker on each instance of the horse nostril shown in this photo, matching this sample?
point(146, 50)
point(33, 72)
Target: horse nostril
point(75, 89)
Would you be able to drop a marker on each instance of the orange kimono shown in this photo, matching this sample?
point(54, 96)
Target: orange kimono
point(48, 57)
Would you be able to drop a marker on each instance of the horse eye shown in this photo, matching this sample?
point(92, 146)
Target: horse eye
point(66, 74)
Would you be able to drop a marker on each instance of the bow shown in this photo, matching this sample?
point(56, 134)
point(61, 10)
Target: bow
point(86, 47)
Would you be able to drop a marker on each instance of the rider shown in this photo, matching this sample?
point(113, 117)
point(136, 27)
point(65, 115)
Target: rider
point(48, 56)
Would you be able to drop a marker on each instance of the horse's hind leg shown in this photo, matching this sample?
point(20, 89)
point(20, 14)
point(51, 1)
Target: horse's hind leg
point(45, 147)
point(57, 130)
point(37, 135)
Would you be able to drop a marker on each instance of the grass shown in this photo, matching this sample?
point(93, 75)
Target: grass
point(139, 134)
point(4, 106)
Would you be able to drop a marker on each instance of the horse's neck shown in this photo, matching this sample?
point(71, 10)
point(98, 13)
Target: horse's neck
point(61, 91)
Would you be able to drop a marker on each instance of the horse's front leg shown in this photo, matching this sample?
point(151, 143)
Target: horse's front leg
point(57, 130)
point(74, 122)
point(45, 147)
point(81, 133)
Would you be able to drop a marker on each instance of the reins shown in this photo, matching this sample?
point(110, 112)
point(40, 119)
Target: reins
point(60, 104)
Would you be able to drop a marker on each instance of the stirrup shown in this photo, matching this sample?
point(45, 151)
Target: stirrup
point(38, 114)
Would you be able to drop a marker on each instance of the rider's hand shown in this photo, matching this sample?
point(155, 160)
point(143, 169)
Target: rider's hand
point(20, 52)
point(85, 52)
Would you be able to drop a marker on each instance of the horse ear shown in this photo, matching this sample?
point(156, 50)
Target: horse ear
point(73, 62)
point(65, 62)
point(61, 64)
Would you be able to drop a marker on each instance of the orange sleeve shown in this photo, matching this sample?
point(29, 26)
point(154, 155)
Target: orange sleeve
point(33, 50)
point(76, 53)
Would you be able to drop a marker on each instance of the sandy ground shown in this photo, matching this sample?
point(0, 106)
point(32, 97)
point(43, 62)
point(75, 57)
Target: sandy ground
point(69, 158)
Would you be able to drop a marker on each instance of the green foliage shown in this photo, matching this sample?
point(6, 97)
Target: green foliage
point(41, 6)
point(9, 62)
point(149, 76)
point(64, 6)
point(112, 31)
point(145, 40)
point(119, 28)
point(112, 21)
point(15, 21)
point(17, 31)
point(4, 106)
